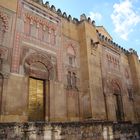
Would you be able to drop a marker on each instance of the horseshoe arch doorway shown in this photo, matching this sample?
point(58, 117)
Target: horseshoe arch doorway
point(39, 70)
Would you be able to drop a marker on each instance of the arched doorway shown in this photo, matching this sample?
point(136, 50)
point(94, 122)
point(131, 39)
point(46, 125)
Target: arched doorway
point(36, 107)
point(39, 70)
point(118, 101)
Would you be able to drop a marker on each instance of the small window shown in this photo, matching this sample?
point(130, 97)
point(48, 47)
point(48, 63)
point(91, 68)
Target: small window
point(72, 61)
point(71, 57)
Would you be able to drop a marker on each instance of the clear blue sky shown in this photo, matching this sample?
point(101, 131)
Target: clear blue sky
point(121, 18)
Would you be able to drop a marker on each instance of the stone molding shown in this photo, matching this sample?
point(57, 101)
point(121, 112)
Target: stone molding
point(46, 61)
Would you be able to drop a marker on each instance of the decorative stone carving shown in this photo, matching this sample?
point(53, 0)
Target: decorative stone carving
point(3, 52)
point(37, 20)
point(5, 21)
point(39, 66)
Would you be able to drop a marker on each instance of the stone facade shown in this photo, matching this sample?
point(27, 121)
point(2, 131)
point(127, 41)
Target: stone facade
point(79, 72)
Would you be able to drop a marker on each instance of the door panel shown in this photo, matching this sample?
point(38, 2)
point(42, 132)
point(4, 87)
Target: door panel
point(36, 100)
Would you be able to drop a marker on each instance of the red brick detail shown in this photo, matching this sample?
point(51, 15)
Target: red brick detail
point(16, 55)
point(27, 27)
point(43, 22)
point(59, 64)
point(39, 58)
point(52, 37)
point(35, 58)
point(3, 51)
point(40, 32)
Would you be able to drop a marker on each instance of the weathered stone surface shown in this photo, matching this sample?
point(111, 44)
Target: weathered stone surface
point(90, 130)
point(84, 74)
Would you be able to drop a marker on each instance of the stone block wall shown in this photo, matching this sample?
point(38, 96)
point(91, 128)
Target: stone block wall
point(87, 130)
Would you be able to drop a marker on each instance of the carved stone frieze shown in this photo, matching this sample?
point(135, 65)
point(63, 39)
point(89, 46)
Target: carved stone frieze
point(39, 21)
point(4, 18)
point(3, 52)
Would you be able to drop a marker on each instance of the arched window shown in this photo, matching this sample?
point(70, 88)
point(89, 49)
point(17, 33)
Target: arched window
point(71, 56)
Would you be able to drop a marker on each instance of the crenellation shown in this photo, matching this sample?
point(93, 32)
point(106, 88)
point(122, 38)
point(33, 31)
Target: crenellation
point(93, 22)
point(59, 12)
point(75, 20)
point(83, 17)
point(53, 8)
point(69, 18)
point(132, 51)
point(113, 44)
point(65, 15)
point(47, 4)
point(89, 20)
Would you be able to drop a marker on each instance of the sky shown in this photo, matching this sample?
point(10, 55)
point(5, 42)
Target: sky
point(121, 18)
